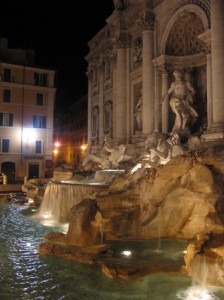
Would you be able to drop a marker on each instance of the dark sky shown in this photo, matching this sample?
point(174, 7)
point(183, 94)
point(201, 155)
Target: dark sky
point(59, 32)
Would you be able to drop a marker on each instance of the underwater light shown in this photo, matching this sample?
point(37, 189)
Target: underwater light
point(126, 253)
point(28, 244)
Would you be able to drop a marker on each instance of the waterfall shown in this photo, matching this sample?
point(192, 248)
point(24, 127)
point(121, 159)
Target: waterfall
point(205, 270)
point(101, 233)
point(59, 198)
point(159, 229)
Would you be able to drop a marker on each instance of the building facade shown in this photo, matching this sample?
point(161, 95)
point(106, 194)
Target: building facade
point(131, 63)
point(27, 97)
point(71, 134)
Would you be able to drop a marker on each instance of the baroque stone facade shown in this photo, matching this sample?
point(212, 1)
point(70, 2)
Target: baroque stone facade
point(135, 55)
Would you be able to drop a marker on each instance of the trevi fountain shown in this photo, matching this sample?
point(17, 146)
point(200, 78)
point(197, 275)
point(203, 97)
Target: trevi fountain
point(148, 226)
point(144, 228)
point(119, 227)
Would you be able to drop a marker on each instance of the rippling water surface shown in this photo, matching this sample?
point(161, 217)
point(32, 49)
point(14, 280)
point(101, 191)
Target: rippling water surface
point(25, 274)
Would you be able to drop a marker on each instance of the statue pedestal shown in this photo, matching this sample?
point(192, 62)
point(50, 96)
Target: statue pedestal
point(138, 132)
point(212, 136)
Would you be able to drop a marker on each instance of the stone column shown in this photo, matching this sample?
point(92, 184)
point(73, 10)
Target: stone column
point(206, 39)
point(209, 92)
point(121, 89)
point(217, 47)
point(148, 90)
point(165, 102)
point(89, 75)
point(158, 102)
point(101, 89)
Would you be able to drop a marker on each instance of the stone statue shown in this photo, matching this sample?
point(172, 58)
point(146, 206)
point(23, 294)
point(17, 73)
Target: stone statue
point(138, 112)
point(176, 147)
point(116, 156)
point(182, 93)
point(137, 56)
point(157, 152)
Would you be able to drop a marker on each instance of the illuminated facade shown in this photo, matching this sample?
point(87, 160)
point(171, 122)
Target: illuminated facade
point(27, 96)
point(135, 55)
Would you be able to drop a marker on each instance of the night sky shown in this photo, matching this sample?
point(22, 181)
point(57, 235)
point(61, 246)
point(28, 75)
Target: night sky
point(58, 31)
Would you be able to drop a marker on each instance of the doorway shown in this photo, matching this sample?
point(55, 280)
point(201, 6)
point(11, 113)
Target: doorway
point(33, 171)
point(9, 169)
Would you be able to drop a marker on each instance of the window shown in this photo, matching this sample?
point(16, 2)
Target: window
point(7, 96)
point(38, 147)
point(40, 99)
point(40, 79)
point(5, 145)
point(39, 122)
point(7, 75)
point(6, 119)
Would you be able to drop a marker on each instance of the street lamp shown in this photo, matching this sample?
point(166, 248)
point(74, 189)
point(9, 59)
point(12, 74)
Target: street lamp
point(83, 148)
point(56, 151)
point(57, 144)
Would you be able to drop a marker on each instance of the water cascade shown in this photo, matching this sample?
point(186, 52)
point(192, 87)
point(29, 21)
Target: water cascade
point(205, 271)
point(60, 197)
point(159, 229)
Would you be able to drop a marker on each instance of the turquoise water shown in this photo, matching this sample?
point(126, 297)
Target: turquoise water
point(25, 274)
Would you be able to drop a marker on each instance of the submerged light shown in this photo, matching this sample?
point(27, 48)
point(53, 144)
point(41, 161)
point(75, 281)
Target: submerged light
point(126, 253)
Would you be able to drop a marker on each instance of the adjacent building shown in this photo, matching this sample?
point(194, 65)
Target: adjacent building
point(134, 57)
point(27, 97)
point(71, 134)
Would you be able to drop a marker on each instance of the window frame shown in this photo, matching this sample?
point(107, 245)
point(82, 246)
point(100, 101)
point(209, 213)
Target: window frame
point(7, 74)
point(39, 99)
point(5, 145)
point(38, 148)
point(6, 96)
point(6, 119)
point(39, 121)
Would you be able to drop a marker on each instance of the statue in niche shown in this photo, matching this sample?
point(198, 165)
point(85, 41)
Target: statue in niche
point(181, 103)
point(138, 113)
point(138, 51)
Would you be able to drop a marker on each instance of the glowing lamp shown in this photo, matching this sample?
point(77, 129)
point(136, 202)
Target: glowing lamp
point(55, 151)
point(83, 147)
point(57, 144)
